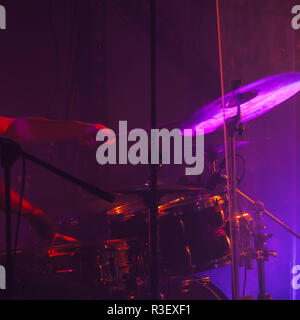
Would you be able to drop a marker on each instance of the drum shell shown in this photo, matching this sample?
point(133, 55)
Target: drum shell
point(191, 233)
point(192, 238)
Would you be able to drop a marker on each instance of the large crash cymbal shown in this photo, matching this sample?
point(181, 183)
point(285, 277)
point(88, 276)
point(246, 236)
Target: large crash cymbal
point(255, 99)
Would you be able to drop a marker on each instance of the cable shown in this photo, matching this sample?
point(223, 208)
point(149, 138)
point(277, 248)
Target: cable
point(20, 204)
point(223, 93)
point(216, 176)
point(240, 179)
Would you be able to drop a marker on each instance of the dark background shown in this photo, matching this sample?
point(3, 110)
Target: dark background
point(88, 60)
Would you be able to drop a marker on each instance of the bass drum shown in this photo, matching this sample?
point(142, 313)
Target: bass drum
point(181, 288)
point(184, 288)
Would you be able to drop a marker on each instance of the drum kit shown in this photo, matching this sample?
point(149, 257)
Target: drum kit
point(195, 229)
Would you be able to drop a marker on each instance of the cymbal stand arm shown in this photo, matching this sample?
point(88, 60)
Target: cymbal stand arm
point(270, 215)
point(262, 253)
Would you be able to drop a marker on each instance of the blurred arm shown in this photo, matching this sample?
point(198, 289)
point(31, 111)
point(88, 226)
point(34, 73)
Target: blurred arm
point(34, 216)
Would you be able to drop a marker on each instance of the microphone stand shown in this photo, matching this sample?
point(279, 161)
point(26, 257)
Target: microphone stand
point(10, 151)
point(153, 228)
point(261, 252)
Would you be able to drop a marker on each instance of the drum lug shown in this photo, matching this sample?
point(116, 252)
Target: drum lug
point(205, 280)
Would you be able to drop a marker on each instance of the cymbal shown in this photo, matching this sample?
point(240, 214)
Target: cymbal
point(135, 196)
point(42, 130)
point(170, 198)
point(220, 147)
point(255, 99)
point(162, 188)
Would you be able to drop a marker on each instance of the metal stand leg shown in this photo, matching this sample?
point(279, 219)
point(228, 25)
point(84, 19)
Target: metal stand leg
point(9, 153)
point(262, 252)
point(233, 126)
point(234, 228)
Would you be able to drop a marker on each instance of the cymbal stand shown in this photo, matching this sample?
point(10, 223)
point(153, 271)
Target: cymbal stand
point(233, 126)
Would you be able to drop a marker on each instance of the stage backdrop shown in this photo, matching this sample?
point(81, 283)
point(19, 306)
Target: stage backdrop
point(89, 60)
